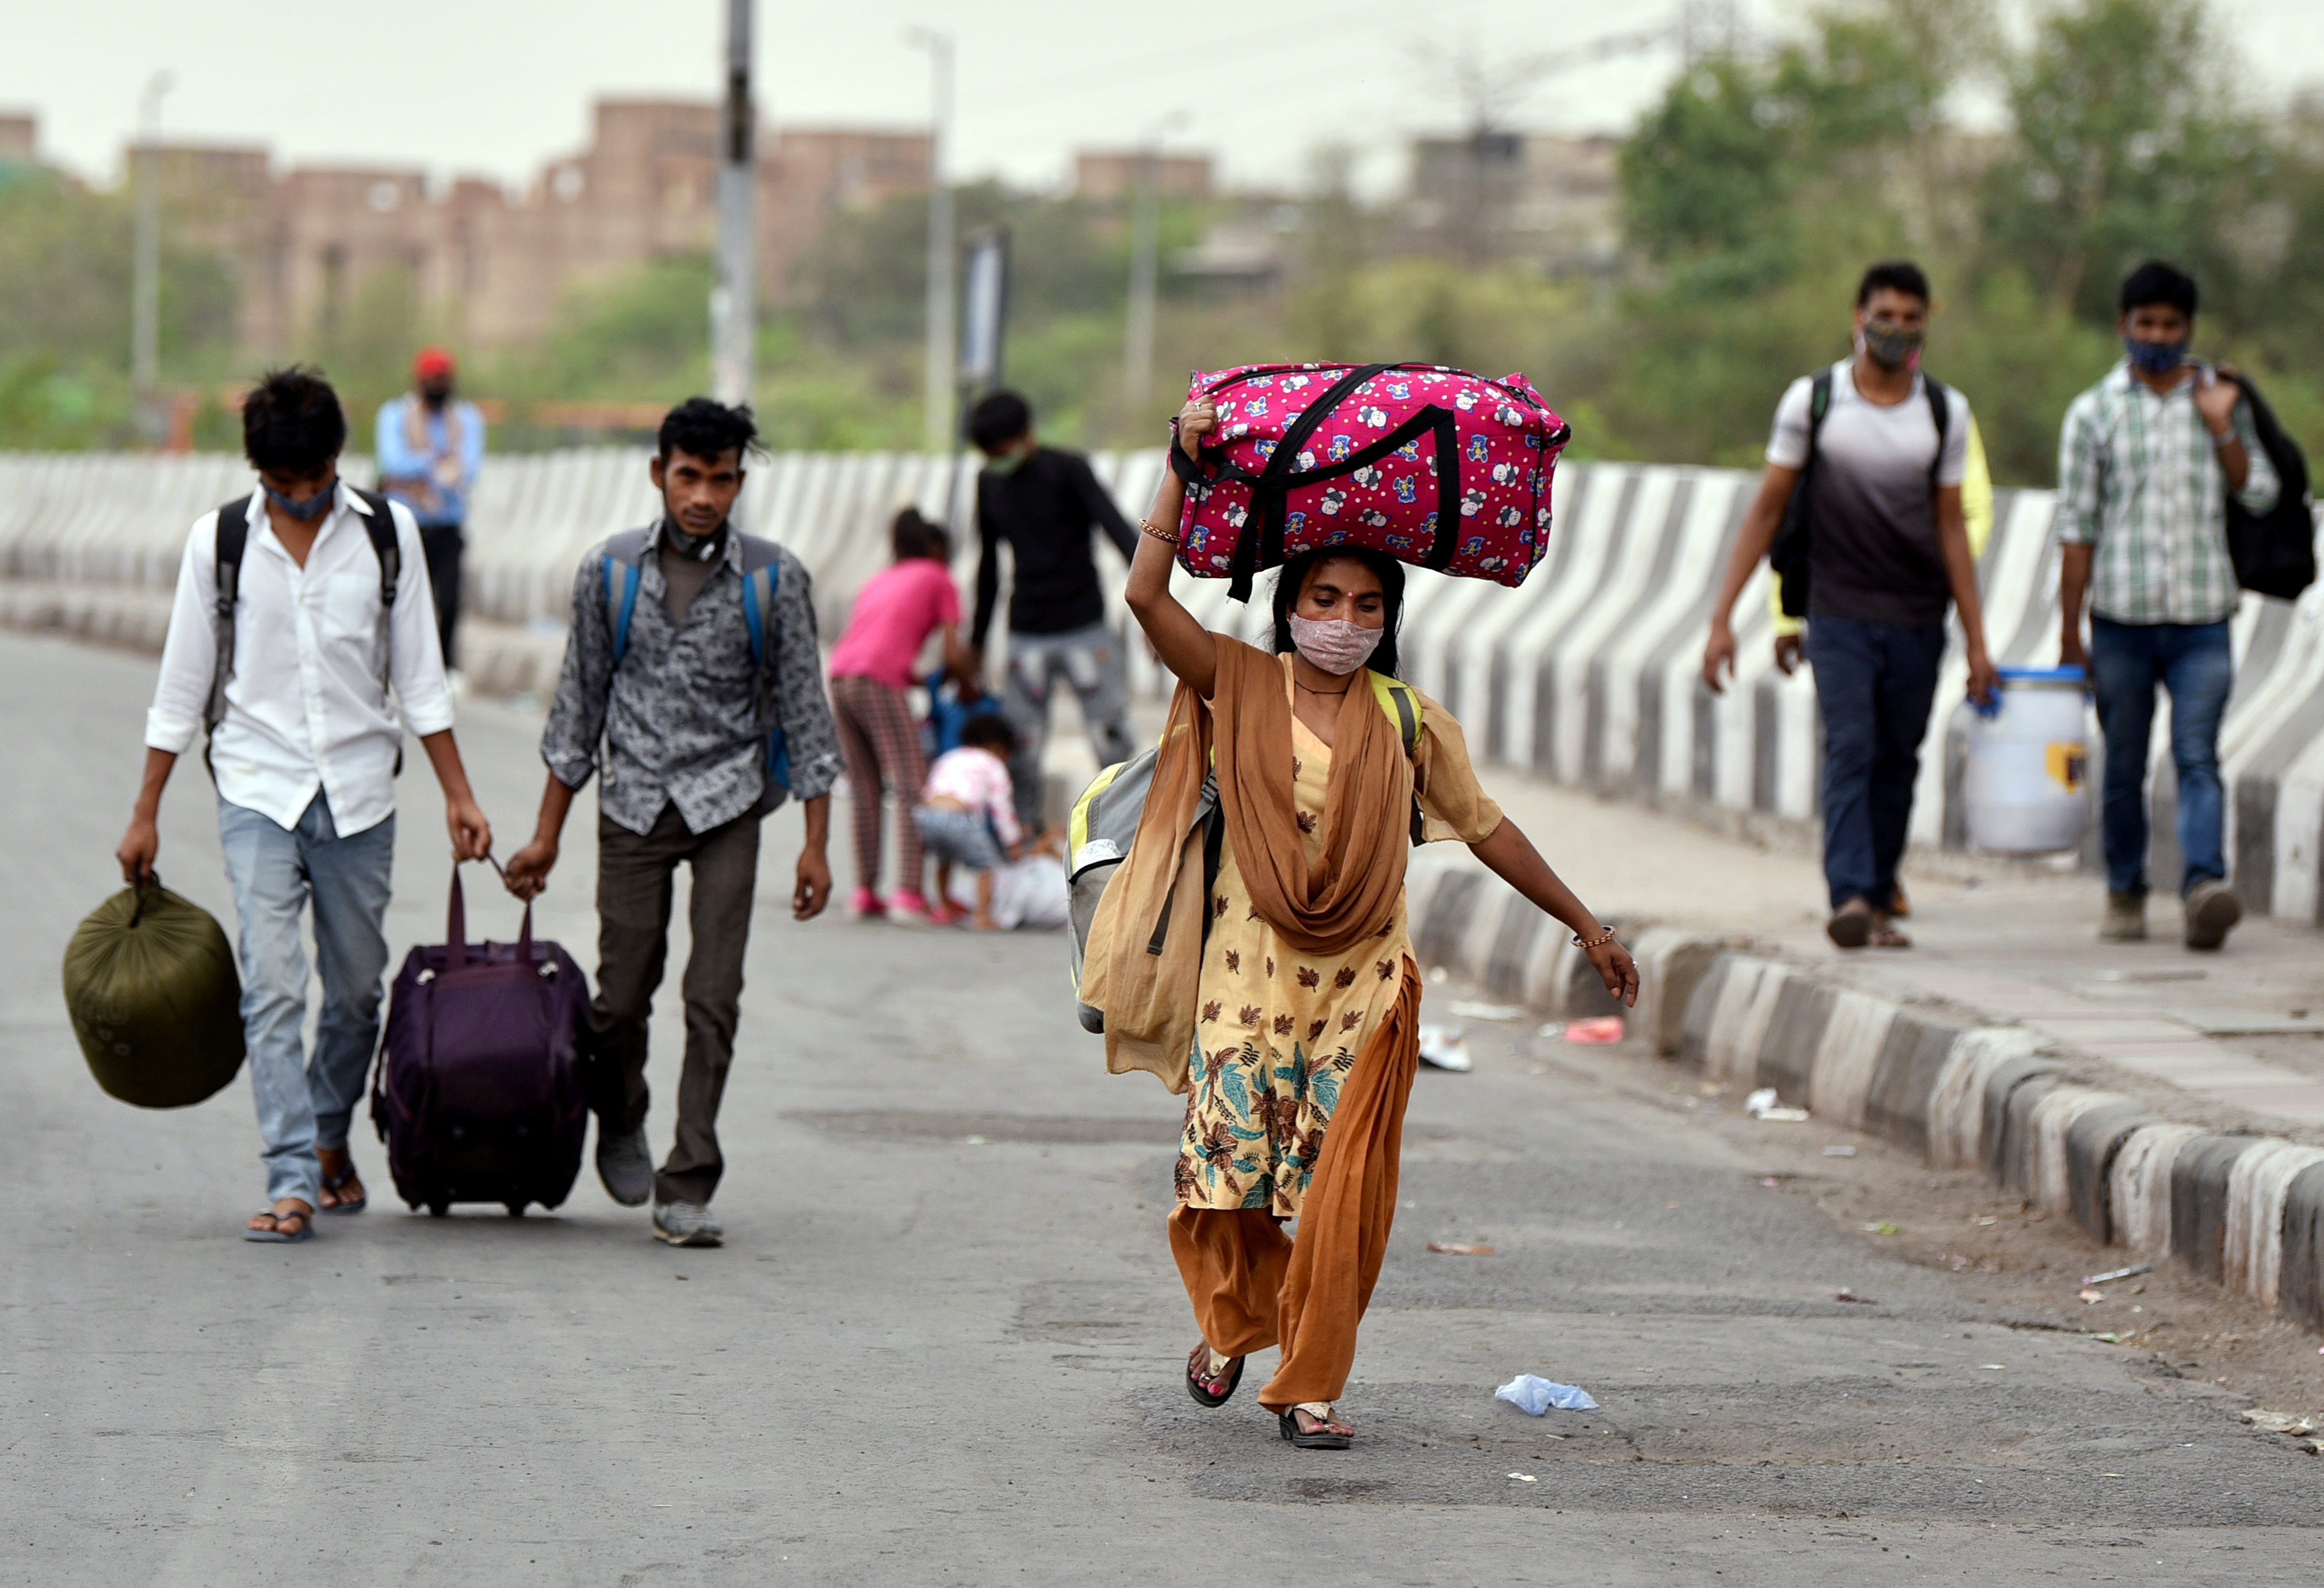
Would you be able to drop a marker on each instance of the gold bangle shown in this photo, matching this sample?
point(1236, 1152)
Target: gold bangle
point(1597, 942)
point(1146, 528)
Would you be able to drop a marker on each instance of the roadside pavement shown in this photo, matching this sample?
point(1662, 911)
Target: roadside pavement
point(2240, 1032)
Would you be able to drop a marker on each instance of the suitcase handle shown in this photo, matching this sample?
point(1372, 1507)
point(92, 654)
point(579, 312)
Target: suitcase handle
point(455, 925)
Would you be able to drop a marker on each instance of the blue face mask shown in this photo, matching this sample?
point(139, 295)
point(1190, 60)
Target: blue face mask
point(302, 510)
point(2154, 359)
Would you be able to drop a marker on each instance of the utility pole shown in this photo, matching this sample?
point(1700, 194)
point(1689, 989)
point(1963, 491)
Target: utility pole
point(937, 431)
point(145, 306)
point(1145, 223)
point(733, 296)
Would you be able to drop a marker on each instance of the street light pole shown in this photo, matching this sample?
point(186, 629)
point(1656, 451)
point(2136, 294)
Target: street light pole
point(733, 297)
point(938, 421)
point(145, 305)
point(1145, 223)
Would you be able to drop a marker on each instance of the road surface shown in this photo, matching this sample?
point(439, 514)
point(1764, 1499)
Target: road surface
point(944, 1342)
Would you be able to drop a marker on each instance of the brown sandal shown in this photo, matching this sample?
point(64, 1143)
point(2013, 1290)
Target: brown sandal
point(1208, 1388)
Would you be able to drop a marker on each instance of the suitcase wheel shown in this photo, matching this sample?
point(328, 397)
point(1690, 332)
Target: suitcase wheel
point(516, 1210)
point(438, 1209)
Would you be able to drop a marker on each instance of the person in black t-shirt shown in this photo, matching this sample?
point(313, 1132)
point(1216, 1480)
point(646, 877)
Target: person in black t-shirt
point(1043, 502)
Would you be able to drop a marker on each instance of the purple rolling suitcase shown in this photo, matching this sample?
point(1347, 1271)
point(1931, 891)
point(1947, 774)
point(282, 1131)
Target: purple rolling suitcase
point(479, 1092)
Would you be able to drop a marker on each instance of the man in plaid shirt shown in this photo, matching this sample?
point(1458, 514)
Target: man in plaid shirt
point(2145, 462)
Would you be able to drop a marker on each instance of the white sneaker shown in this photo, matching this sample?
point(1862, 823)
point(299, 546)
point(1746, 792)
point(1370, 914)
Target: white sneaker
point(686, 1224)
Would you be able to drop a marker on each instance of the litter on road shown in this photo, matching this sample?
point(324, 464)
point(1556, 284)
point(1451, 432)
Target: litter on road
point(1534, 1396)
point(1882, 1228)
point(1468, 1009)
point(1457, 1249)
point(2131, 1272)
point(2279, 1422)
point(1521, 1477)
point(1849, 1295)
point(1445, 1050)
point(1762, 1105)
point(2087, 1296)
point(1601, 1028)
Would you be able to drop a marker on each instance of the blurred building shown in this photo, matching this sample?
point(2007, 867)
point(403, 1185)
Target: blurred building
point(1104, 175)
point(492, 263)
point(1542, 198)
point(20, 139)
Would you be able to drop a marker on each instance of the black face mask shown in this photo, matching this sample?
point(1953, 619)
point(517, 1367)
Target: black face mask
point(304, 508)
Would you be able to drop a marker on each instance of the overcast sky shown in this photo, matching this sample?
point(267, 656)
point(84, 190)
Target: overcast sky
point(495, 87)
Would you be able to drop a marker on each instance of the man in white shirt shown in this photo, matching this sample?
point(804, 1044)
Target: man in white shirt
point(327, 607)
point(1867, 461)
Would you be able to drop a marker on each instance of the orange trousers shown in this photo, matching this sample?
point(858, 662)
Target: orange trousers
point(1252, 1286)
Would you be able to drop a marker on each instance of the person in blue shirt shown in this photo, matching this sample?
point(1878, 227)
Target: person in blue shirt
point(429, 447)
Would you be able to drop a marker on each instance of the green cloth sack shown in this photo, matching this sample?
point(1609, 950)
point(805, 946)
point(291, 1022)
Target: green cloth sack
point(151, 985)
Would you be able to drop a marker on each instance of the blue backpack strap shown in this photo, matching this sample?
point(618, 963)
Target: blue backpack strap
point(624, 556)
point(762, 579)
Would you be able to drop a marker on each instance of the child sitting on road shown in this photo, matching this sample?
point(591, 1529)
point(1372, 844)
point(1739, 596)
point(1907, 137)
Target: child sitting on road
point(967, 813)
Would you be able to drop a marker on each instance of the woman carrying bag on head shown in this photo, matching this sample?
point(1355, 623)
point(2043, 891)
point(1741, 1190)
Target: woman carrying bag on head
point(1289, 1010)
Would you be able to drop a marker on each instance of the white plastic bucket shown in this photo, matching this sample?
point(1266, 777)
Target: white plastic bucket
point(2023, 785)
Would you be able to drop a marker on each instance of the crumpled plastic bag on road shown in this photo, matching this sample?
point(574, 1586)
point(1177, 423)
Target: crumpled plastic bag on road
point(1534, 1396)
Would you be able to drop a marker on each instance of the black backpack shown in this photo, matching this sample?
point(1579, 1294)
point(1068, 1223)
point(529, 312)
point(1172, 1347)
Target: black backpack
point(1788, 557)
point(232, 538)
point(2275, 552)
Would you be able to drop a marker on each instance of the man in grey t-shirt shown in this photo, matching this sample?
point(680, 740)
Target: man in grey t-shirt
point(1887, 548)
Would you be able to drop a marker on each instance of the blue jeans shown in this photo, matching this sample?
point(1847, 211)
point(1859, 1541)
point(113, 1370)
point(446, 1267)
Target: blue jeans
point(1873, 684)
point(2195, 663)
point(959, 838)
point(274, 873)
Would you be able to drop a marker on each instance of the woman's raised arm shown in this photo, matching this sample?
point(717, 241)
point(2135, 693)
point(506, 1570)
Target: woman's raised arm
point(1186, 648)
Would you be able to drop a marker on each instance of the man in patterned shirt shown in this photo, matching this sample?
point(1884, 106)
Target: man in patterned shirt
point(683, 713)
point(2144, 465)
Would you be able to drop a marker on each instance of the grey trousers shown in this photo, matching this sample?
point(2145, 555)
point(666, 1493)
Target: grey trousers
point(1090, 661)
point(634, 877)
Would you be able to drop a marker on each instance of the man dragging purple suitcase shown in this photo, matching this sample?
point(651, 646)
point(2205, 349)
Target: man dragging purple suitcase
point(693, 662)
point(304, 639)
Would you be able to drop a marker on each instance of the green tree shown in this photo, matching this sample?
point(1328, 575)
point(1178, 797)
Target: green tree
point(2125, 149)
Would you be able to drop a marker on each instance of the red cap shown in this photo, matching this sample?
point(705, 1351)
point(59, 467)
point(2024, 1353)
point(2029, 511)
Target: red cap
point(430, 361)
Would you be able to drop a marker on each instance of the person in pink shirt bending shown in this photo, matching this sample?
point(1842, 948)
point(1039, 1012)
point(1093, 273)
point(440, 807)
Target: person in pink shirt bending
point(968, 816)
point(897, 610)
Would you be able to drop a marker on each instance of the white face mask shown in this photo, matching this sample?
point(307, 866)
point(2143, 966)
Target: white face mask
point(1335, 644)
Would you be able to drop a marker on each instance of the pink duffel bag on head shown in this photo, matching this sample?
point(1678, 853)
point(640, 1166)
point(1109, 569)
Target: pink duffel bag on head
point(1435, 467)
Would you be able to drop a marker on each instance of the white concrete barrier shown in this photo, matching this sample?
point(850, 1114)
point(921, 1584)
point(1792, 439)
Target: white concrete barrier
point(1588, 673)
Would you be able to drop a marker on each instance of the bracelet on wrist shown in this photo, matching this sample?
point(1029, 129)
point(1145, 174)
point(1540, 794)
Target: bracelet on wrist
point(1600, 941)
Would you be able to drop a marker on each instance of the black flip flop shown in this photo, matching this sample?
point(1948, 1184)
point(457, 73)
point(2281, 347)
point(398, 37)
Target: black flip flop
point(332, 1185)
point(278, 1236)
point(1323, 1438)
point(1198, 1373)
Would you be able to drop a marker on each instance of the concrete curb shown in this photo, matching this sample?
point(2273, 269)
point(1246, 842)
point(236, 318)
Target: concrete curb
point(2243, 1209)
